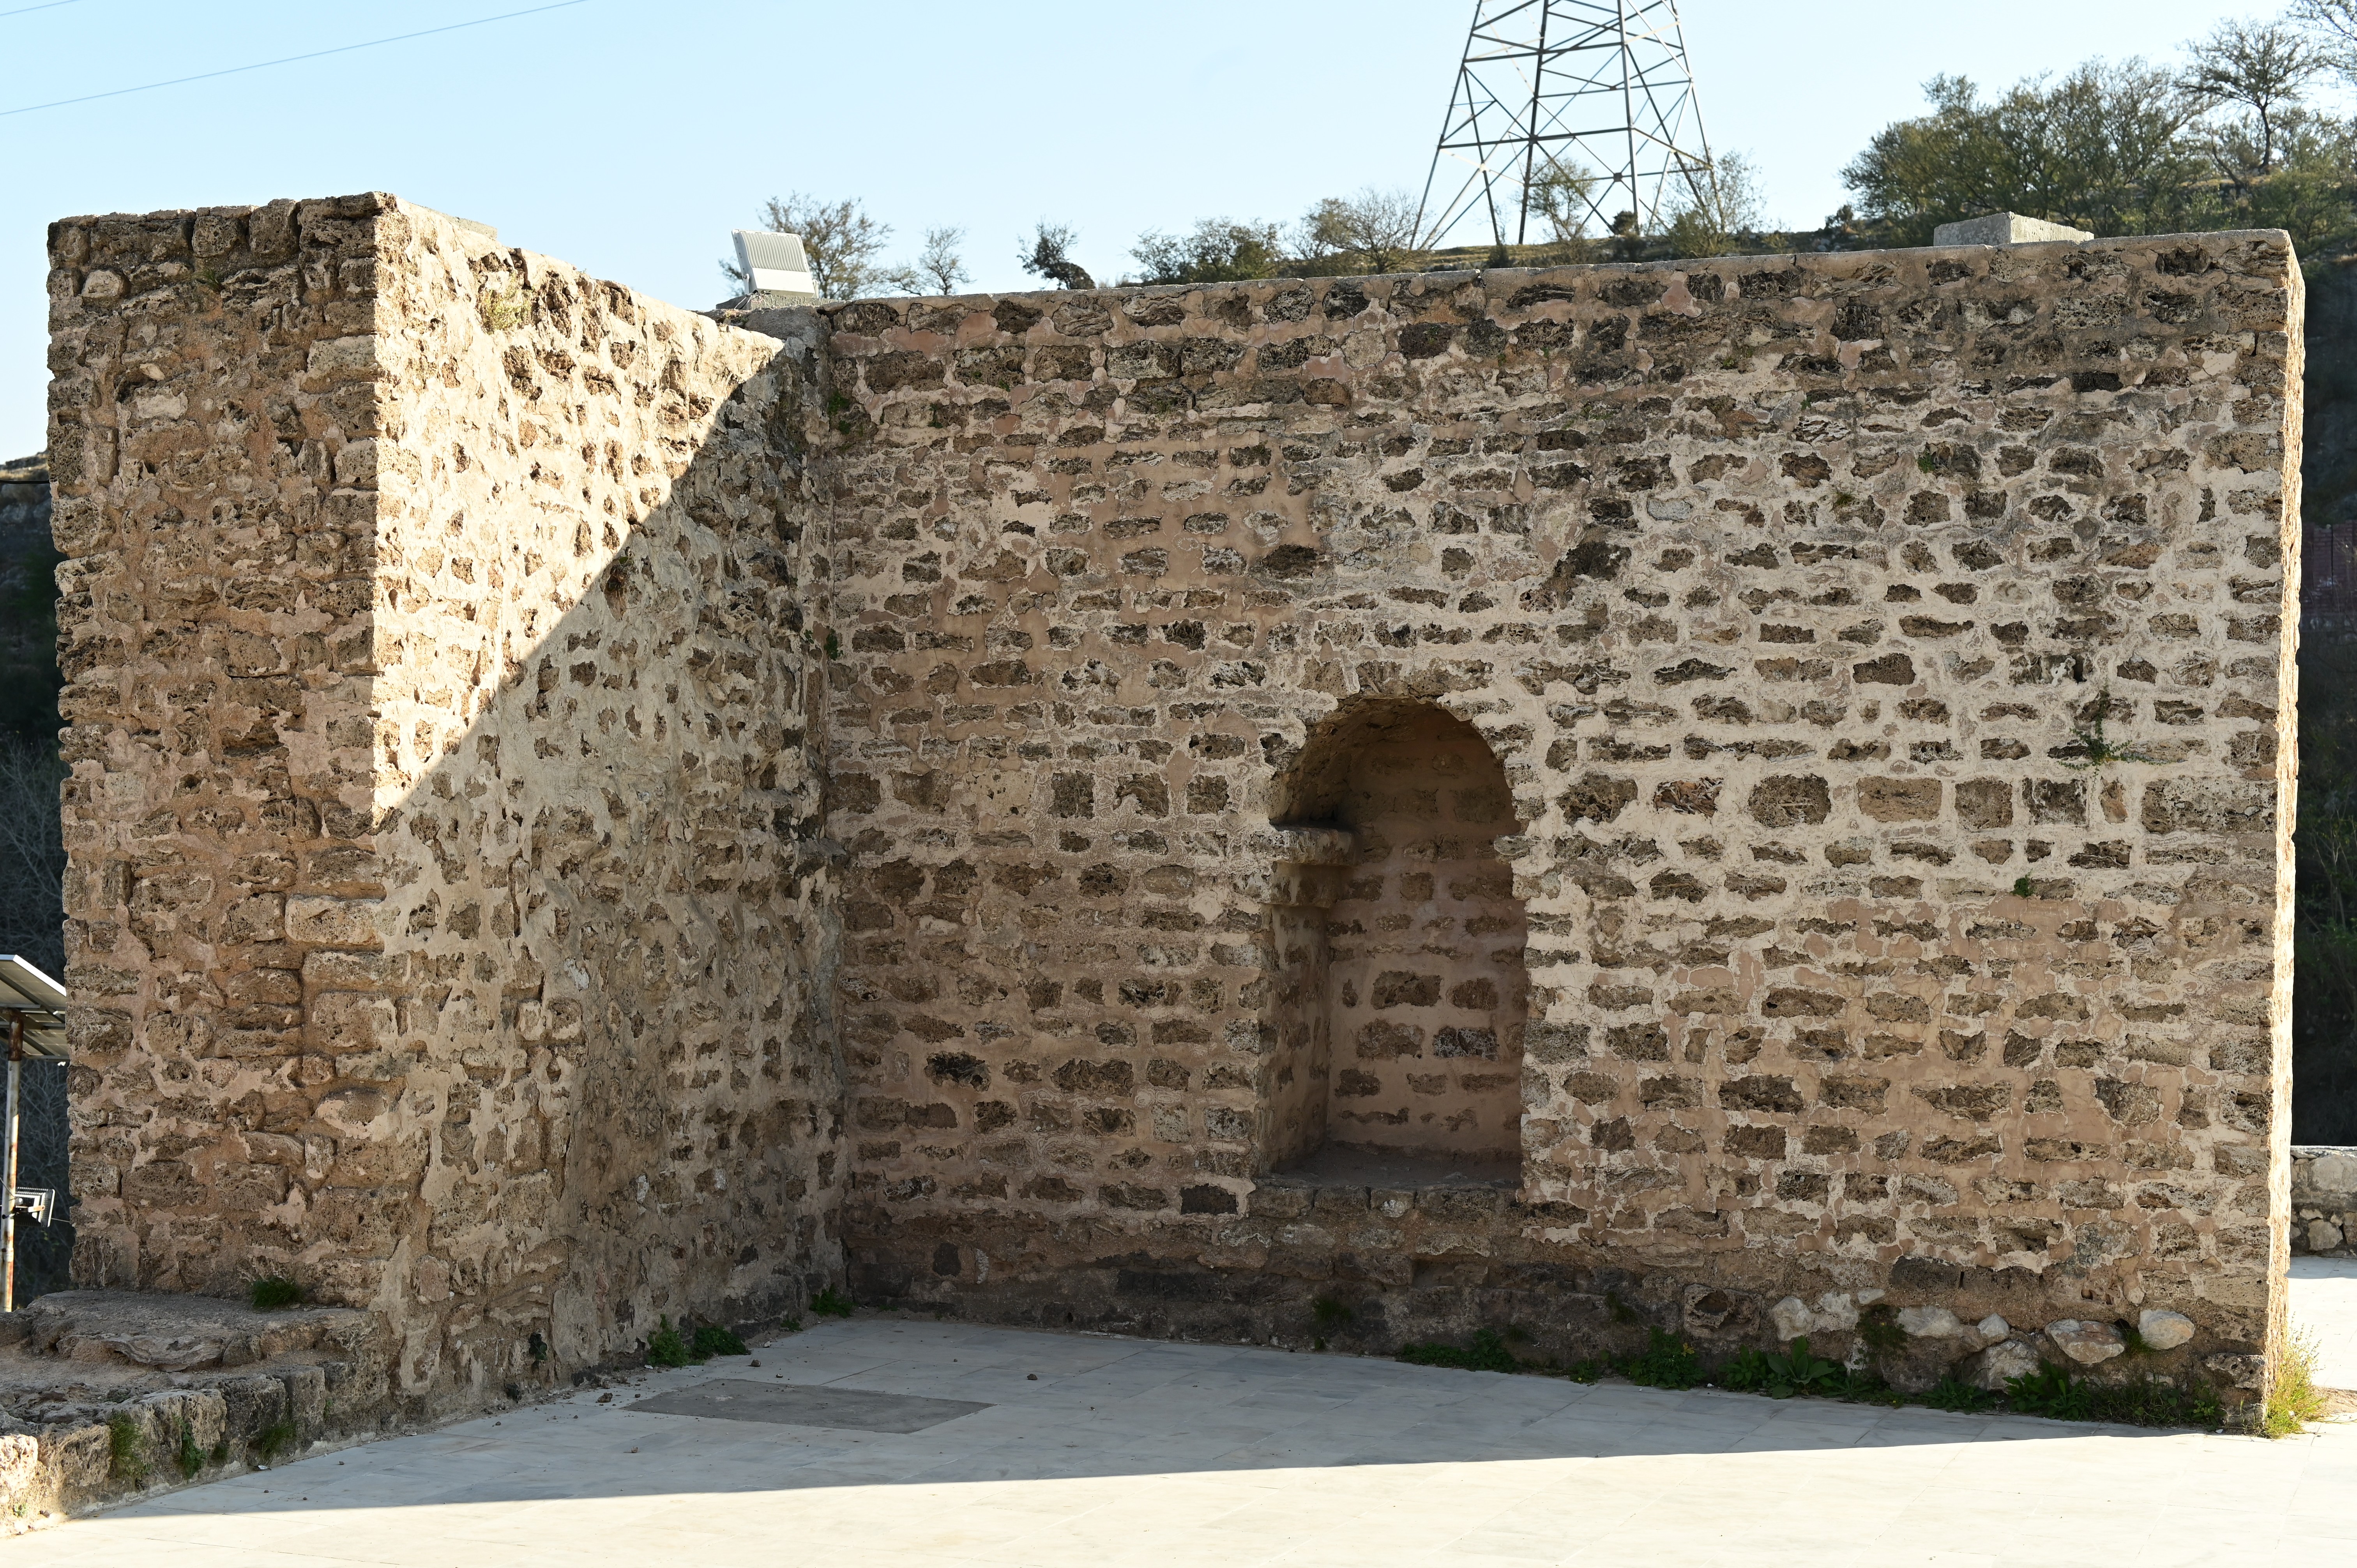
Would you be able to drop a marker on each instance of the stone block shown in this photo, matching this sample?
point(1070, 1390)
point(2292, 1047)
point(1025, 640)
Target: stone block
point(1993, 1368)
point(2005, 229)
point(2083, 1341)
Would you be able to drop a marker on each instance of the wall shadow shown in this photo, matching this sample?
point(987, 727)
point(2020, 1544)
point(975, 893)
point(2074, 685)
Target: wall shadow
point(1102, 1408)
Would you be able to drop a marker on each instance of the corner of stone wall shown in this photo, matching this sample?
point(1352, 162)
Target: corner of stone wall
point(443, 782)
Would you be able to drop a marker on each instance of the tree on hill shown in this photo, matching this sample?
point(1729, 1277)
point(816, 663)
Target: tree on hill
point(1049, 257)
point(2227, 142)
point(1724, 215)
point(2257, 68)
point(1218, 250)
point(1374, 231)
point(2103, 149)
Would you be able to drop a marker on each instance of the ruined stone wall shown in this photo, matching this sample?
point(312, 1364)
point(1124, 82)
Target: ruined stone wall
point(1888, 657)
point(438, 919)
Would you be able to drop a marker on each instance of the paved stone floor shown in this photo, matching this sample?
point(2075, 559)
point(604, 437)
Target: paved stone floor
point(1128, 1452)
point(2324, 1301)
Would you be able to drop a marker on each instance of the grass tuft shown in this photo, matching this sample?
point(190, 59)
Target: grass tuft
point(271, 1439)
point(273, 1291)
point(126, 1447)
point(666, 1349)
point(1669, 1362)
point(1488, 1353)
point(712, 1341)
point(2293, 1398)
point(830, 1302)
point(505, 309)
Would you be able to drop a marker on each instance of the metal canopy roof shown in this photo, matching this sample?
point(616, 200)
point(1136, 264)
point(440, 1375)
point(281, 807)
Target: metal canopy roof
point(25, 993)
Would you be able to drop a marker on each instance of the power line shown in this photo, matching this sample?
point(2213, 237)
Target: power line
point(45, 6)
point(288, 59)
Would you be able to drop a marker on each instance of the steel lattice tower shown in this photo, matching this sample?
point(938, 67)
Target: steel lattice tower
point(1594, 87)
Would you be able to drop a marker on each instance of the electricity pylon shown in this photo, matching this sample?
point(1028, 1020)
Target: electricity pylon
point(1562, 92)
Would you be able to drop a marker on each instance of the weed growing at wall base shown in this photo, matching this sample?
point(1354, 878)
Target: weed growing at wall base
point(2056, 1393)
point(1488, 1353)
point(1878, 1325)
point(1330, 1315)
point(273, 1291)
point(1668, 1362)
point(273, 1439)
point(126, 1447)
point(1962, 1398)
point(2293, 1398)
point(666, 1349)
point(1798, 1371)
point(711, 1341)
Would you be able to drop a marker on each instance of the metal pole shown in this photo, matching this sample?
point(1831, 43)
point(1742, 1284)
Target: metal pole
point(1629, 114)
point(1530, 150)
point(8, 1220)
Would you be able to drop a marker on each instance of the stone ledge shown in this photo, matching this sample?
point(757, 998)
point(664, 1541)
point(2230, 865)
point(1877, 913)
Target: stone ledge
point(172, 1333)
point(110, 1394)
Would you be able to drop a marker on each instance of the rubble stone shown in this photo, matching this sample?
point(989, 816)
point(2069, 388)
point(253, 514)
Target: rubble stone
point(2083, 1341)
point(1930, 1322)
point(2164, 1331)
point(2001, 1363)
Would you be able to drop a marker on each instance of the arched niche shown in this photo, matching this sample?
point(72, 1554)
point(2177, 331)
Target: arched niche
point(1397, 1017)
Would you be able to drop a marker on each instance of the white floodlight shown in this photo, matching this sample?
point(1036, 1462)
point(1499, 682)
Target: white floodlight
point(775, 263)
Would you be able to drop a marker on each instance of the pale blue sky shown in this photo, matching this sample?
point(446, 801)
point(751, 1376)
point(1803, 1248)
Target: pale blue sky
point(629, 137)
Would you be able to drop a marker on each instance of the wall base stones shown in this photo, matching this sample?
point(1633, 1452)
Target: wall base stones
point(1371, 1270)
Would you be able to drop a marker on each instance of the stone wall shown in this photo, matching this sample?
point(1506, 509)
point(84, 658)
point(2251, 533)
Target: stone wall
point(439, 924)
point(1881, 662)
point(2324, 1200)
point(24, 505)
point(1887, 658)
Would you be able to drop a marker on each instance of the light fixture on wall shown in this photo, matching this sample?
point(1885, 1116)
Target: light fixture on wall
point(774, 264)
